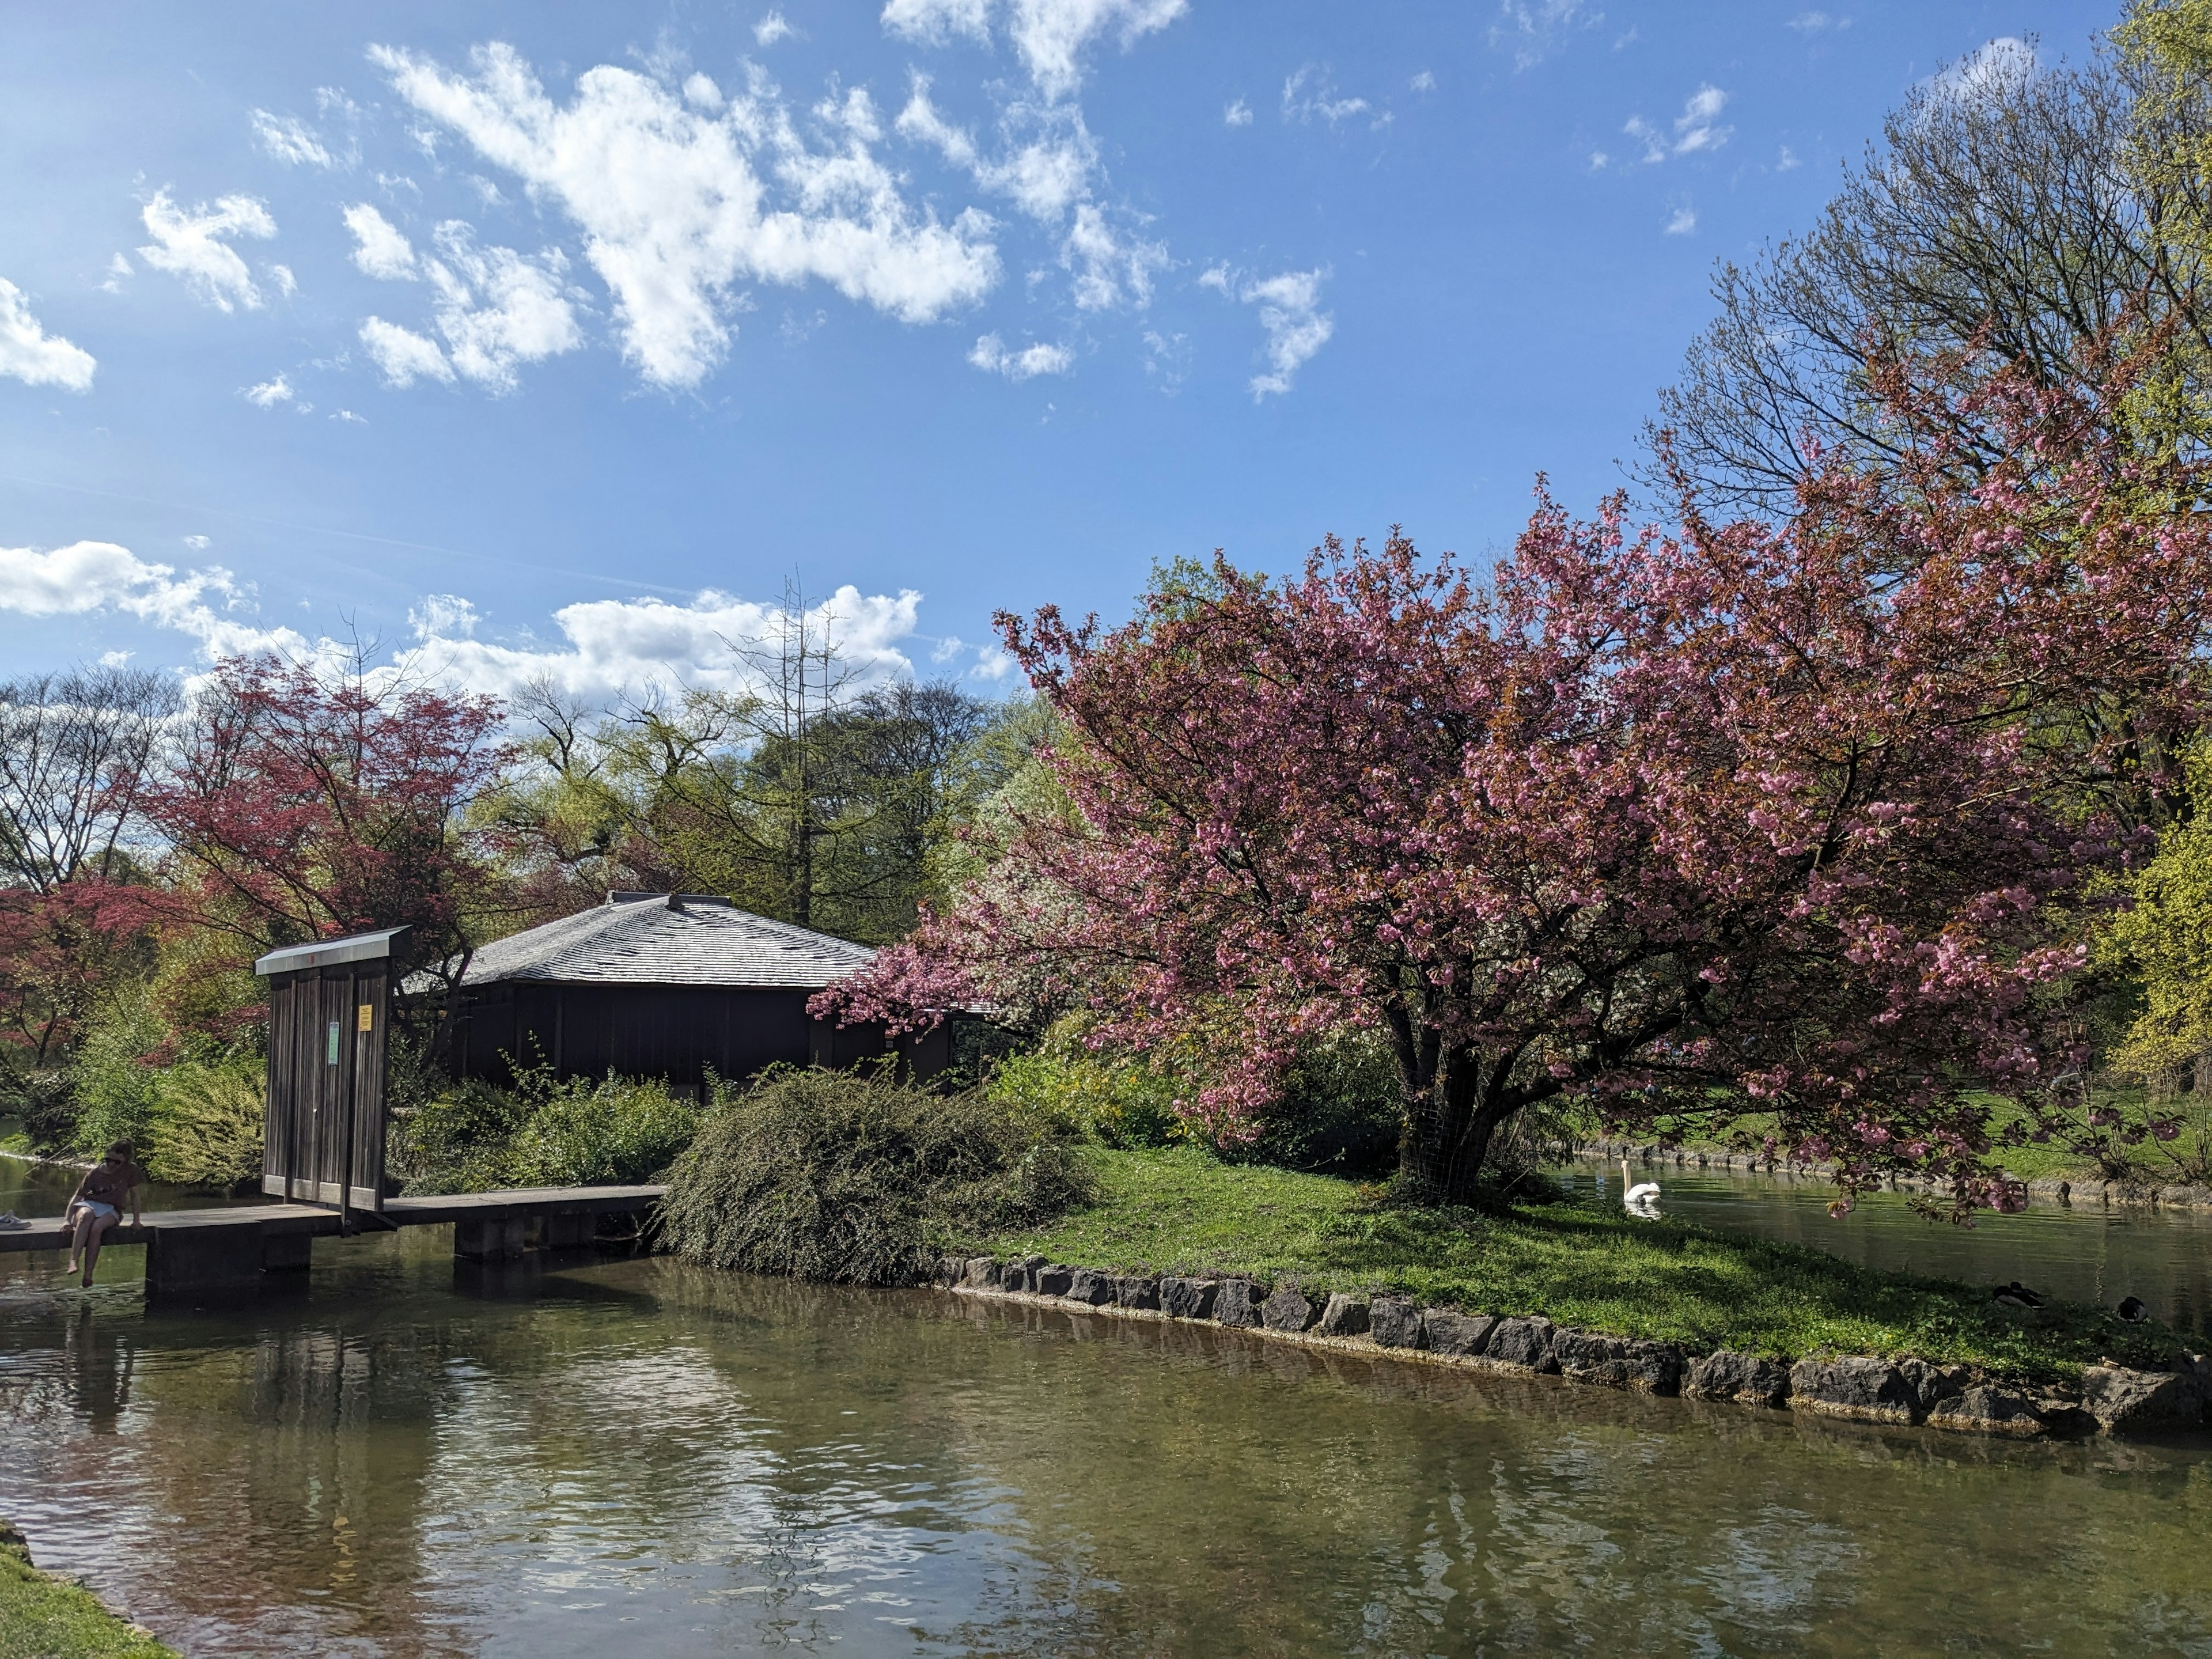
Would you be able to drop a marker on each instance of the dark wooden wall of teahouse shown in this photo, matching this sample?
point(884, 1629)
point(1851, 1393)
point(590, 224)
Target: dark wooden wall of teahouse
point(675, 1032)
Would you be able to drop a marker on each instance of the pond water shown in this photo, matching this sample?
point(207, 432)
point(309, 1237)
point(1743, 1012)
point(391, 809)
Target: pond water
point(413, 1455)
point(2088, 1253)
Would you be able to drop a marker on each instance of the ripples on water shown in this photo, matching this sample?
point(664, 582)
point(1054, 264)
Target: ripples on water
point(634, 1458)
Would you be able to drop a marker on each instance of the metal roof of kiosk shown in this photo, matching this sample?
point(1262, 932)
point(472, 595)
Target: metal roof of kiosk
point(326, 953)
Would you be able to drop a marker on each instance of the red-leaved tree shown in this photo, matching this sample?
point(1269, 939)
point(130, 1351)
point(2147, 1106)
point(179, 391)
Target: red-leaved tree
point(301, 804)
point(74, 750)
point(1777, 815)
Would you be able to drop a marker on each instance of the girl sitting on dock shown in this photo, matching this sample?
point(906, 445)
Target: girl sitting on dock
point(97, 1204)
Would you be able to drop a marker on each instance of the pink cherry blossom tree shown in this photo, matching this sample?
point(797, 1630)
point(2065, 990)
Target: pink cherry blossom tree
point(1787, 816)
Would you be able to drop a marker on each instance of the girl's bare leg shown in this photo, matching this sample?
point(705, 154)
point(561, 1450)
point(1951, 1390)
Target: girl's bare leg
point(78, 1237)
point(92, 1250)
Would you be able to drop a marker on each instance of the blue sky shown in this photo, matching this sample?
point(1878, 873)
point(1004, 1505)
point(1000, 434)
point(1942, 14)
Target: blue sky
point(553, 340)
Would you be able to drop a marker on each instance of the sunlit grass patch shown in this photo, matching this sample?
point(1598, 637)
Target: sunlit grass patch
point(1581, 1264)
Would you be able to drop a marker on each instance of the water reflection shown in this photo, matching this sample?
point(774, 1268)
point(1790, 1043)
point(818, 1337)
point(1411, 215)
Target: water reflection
point(2088, 1253)
point(424, 1458)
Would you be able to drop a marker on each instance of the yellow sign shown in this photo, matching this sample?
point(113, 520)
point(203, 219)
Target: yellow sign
point(365, 1017)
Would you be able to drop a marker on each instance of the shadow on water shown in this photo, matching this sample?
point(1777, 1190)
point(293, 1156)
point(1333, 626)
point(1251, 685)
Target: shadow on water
point(425, 1458)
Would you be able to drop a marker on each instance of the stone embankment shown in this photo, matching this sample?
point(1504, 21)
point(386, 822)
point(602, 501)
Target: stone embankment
point(2112, 1399)
point(2050, 1188)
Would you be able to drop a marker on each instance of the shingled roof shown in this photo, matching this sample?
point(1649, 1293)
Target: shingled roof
point(669, 939)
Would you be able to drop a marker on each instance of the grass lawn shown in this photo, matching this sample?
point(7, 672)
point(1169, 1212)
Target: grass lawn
point(1179, 1210)
point(44, 1618)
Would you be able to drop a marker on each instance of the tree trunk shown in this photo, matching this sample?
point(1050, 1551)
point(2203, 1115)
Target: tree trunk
point(1448, 1127)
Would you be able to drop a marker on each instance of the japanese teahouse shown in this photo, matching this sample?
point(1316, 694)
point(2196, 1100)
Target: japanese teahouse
point(661, 984)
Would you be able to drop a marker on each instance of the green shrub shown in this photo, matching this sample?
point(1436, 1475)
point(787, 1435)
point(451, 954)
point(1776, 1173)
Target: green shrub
point(610, 1133)
point(474, 1137)
point(1342, 1109)
point(1116, 1102)
point(848, 1177)
point(205, 1129)
point(114, 1087)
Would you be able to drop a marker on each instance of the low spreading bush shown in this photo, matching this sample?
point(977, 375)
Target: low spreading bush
point(206, 1126)
point(851, 1177)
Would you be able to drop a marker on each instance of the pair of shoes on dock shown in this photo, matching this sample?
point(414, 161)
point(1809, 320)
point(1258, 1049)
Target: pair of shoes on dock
point(10, 1218)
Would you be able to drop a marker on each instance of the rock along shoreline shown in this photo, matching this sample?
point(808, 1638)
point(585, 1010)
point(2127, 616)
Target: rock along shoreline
point(1866, 1388)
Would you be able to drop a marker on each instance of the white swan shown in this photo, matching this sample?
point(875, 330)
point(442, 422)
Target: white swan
point(1642, 1197)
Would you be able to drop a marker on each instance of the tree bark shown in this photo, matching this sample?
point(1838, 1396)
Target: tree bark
point(1450, 1118)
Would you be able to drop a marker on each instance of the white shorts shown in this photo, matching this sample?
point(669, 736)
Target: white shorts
point(98, 1211)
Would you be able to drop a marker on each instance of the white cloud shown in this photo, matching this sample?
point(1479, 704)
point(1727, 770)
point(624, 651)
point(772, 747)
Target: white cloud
point(291, 139)
point(1046, 159)
point(287, 284)
point(1236, 114)
point(675, 214)
point(934, 22)
point(348, 415)
point(1049, 36)
point(271, 393)
point(1308, 94)
point(117, 269)
point(1685, 221)
point(193, 245)
point(116, 659)
point(617, 647)
point(990, 355)
point(1535, 31)
point(1425, 82)
point(1107, 269)
point(993, 663)
point(403, 355)
point(85, 577)
point(29, 353)
point(1050, 170)
point(197, 543)
point(380, 249)
point(1787, 161)
point(947, 648)
point(921, 123)
point(498, 308)
point(608, 647)
point(494, 307)
point(772, 28)
point(1290, 315)
point(443, 616)
point(1816, 22)
point(1698, 126)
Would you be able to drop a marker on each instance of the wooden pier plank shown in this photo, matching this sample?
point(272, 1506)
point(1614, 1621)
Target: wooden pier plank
point(44, 1232)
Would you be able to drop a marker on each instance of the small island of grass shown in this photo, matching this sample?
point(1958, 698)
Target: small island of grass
point(1578, 1264)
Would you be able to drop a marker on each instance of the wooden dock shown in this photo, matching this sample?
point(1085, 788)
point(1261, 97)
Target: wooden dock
point(232, 1248)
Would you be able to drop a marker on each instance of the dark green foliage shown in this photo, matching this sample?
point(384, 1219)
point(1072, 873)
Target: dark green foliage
point(1342, 1109)
point(476, 1138)
point(851, 1177)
